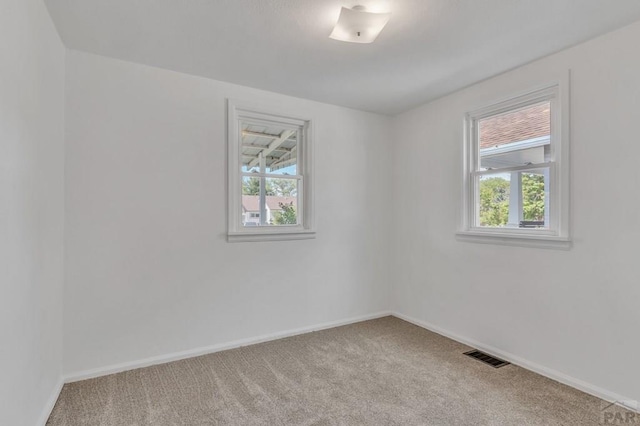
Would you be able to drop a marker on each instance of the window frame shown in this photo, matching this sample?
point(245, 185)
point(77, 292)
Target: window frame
point(236, 232)
point(557, 234)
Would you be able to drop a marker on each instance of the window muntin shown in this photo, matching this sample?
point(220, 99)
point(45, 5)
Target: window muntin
point(513, 168)
point(269, 176)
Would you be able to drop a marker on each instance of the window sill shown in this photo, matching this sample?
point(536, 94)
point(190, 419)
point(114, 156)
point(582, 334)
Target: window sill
point(270, 235)
point(515, 239)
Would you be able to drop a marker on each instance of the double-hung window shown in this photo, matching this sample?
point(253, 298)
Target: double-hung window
point(516, 171)
point(270, 191)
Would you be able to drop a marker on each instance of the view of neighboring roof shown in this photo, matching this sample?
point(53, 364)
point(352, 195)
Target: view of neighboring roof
point(528, 123)
point(251, 203)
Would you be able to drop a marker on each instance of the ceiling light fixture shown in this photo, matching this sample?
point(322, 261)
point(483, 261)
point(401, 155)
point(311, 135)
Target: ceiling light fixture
point(359, 26)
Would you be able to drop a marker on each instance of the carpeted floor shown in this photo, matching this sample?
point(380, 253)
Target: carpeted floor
point(379, 372)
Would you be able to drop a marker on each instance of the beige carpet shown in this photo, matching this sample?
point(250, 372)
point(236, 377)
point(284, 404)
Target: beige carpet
point(379, 372)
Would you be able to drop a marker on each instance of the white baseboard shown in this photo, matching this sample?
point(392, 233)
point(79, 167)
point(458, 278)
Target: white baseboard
point(532, 366)
point(161, 359)
point(51, 402)
point(514, 359)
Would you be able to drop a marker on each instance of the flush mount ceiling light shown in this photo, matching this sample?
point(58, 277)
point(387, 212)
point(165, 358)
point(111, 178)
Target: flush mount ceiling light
point(359, 26)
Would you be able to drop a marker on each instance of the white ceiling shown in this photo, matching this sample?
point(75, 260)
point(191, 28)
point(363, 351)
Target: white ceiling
point(428, 49)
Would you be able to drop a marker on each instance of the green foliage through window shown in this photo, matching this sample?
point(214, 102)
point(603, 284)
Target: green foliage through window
point(251, 186)
point(533, 196)
point(494, 202)
point(273, 186)
point(494, 199)
point(287, 216)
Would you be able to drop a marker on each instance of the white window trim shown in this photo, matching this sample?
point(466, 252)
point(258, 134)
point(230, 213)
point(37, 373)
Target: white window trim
point(558, 235)
point(236, 232)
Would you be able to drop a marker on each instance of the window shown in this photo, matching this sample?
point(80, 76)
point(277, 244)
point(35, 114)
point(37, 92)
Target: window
point(270, 192)
point(516, 171)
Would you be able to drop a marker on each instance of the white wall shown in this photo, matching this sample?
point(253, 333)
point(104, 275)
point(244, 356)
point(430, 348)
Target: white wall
point(575, 312)
point(31, 211)
point(148, 269)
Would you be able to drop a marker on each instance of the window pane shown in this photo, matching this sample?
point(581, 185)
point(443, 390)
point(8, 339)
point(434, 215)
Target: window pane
point(280, 202)
point(250, 185)
point(277, 145)
point(515, 138)
point(494, 192)
point(515, 200)
point(534, 200)
point(251, 201)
